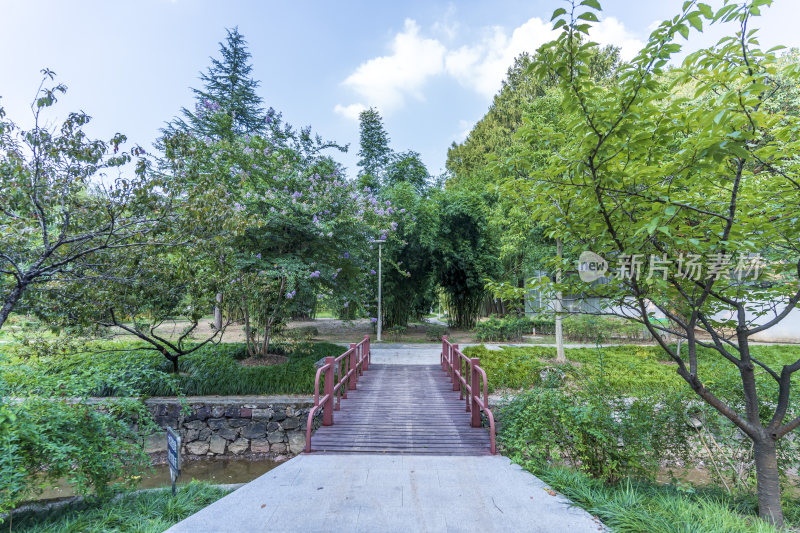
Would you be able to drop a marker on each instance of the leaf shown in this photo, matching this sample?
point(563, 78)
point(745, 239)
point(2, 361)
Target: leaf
point(683, 30)
point(590, 16)
point(696, 23)
point(561, 22)
point(557, 13)
point(706, 10)
point(592, 3)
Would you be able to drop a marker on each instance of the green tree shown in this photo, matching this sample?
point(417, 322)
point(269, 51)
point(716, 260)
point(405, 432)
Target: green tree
point(465, 255)
point(374, 153)
point(407, 167)
point(228, 104)
point(696, 165)
point(59, 211)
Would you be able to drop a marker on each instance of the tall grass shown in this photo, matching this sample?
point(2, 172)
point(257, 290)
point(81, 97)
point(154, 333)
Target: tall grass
point(644, 507)
point(144, 512)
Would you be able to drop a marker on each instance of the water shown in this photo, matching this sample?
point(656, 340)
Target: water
point(219, 471)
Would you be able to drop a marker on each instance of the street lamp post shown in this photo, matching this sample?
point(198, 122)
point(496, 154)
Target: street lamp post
point(380, 275)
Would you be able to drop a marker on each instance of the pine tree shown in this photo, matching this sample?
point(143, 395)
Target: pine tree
point(375, 153)
point(228, 105)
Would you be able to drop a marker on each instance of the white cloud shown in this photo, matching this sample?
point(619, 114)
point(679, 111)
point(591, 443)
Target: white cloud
point(483, 66)
point(349, 111)
point(612, 31)
point(386, 81)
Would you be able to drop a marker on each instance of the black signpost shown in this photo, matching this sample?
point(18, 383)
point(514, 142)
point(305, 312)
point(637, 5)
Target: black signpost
point(173, 456)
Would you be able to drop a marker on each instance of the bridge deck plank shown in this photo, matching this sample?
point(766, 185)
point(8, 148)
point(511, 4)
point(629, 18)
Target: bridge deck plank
point(402, 409)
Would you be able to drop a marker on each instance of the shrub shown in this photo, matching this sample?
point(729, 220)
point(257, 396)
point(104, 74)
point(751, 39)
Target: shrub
point(435, 332)
point(590, 328)
point(57, 433)
point(605, 435)
point(502, 329)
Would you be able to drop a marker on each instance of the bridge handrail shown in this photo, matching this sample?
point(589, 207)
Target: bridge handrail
point(337, 382)
point(451, 361)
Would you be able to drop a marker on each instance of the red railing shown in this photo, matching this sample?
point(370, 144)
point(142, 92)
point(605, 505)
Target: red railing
point(340, 374)
point(464, 373)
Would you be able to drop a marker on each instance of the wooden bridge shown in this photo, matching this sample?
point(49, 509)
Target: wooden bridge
point(412, 409)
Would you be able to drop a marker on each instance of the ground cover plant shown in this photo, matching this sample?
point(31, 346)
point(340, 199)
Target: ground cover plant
point(211, 370)
point(145, 511)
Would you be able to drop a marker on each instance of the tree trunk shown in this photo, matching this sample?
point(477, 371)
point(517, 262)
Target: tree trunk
point(560, 355)
point(768, 483)
point(218, 313)
point(174, 360)
point(11, 300)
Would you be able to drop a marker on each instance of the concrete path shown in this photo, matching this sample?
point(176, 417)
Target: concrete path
point(374, 493)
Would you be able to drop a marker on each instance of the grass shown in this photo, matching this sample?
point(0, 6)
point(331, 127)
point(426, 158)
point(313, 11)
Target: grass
point(149, 511)
point(641, 507)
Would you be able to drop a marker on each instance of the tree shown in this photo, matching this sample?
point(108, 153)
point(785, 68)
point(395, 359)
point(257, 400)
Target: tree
point(59, 210)
point(375, 153)
point(228, 104)
point(692, 166)
point(407, 167)
point(465, 255)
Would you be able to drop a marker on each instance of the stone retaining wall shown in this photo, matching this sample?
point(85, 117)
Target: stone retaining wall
point(265, 426)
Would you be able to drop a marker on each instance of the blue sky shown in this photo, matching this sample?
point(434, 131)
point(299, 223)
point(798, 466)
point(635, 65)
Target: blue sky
point(430, 67)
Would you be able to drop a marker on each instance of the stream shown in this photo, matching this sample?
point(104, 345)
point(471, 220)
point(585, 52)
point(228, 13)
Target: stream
point(219, 471)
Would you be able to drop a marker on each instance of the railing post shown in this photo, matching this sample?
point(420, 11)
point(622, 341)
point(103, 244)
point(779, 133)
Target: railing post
point(444, 353)
point(476, 392)
point(351, 382)
point(327, 412)
point(456, 360)
point(364, 354)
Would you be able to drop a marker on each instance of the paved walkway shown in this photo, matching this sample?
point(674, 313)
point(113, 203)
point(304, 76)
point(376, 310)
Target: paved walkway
point(392, 493)
point(384, 492)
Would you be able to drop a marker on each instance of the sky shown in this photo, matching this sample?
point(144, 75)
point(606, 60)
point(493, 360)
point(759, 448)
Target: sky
point(431, 68)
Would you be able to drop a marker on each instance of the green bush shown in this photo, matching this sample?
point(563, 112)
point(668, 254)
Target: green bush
point(590, 328)
point(435, 332)
point(607, 436)
point(496, 329)
point(56, 432)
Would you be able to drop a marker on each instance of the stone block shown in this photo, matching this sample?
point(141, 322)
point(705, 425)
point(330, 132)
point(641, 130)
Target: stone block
point(217, 445)
point(279, 415)
point(259, 446)
point(273, 426)
point(228, 433)
point(217, 411)
point(217, 423)
point(275, 436)
point(297, 442)
point(232, 411)
point(290, 423)
point(191, 435)
point(254, 430)
point(262, 413)
point(205, 434)
point(197, 447)
point(278, 447)
point(194, 424)
point(239, 446)
point(245, 412)
point(238, 422)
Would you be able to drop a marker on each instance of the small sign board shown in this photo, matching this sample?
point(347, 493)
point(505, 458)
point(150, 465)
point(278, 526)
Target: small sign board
point(173, 455)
